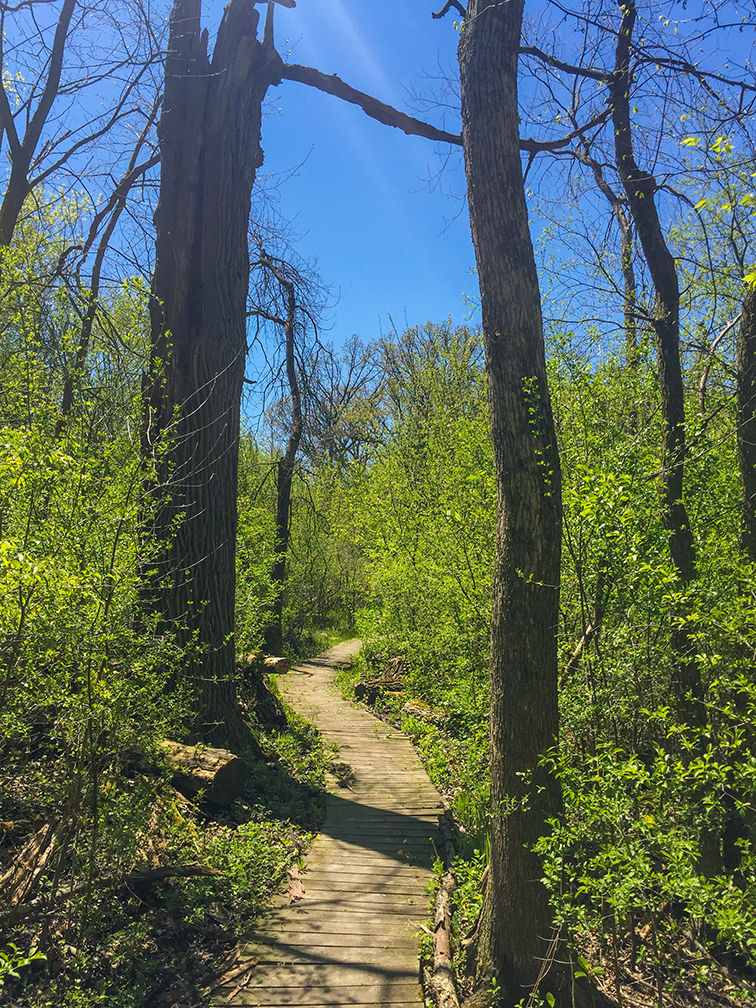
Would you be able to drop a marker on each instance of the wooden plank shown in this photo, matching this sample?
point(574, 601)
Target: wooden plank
point(305, 940)
point(337, 957)
point(322, 974)
point(389, 993)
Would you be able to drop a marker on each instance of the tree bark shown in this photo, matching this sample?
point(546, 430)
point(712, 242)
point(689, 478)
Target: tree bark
point(515, 925)
point(746, 403)
point(210, 150)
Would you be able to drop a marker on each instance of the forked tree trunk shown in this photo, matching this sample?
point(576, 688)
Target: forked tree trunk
point(515, 924)
point(210, 148)
point(746, 400)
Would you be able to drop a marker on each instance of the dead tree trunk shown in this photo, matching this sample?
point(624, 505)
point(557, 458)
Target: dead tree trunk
point(515, 925)
point(210, 150)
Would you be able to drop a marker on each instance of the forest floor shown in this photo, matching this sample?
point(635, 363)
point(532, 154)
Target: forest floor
point(164, 943)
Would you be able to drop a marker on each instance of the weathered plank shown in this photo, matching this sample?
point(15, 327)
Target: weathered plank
point(352, 938)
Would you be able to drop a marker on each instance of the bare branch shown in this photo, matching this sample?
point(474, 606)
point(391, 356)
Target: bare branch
point(535, 146)
point(447, 6)
point(385, 114)
point(709, 356)
point(577, 71)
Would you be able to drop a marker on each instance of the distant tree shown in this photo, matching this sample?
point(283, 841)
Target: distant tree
point(277, 300)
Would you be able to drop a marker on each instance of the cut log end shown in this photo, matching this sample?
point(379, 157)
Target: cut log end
point(219, 774)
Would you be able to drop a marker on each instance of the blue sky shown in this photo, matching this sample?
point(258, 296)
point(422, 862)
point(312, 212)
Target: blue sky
point(358, 199)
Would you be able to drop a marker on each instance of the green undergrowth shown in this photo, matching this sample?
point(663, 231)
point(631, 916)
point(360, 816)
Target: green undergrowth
point(651, 869)
point(156, 943)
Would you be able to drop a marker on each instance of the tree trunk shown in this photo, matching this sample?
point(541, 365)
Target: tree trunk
point(640, 188)
point(210, 149)
point(746, 400)
point(285, 469)
point(13, 200)
point(515, 926)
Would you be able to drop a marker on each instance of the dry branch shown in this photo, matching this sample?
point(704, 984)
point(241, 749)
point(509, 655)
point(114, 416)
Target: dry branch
point(385, 114)
point(41, 906)
point(442, 982)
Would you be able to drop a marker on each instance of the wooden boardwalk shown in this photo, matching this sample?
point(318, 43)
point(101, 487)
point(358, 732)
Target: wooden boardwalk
point(351, 939)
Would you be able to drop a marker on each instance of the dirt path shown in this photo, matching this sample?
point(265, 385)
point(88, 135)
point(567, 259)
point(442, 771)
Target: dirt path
point(349, 940)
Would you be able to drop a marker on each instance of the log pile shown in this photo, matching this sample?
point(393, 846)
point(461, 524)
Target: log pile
point(422, 710)
point(28, 865)
point(391, 681)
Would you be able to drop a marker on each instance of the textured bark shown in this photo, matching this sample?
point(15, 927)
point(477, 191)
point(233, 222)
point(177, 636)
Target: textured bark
point(640, 188)
point(746, 401)
point(210, 150)
point(219, 774)
point(515, 926)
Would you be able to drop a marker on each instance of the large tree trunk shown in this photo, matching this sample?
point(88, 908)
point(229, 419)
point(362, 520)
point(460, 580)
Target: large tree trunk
point(515, 925)
point(210, 148)
point(640, 188)
point(746, 399)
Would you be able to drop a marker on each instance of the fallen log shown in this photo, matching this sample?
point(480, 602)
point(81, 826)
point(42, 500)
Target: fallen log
point(278, 666)
point(28, 865)
point(442, 981)
point(217, 773)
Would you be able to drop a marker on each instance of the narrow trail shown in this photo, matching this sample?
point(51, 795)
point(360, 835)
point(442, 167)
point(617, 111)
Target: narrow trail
point(349, 940)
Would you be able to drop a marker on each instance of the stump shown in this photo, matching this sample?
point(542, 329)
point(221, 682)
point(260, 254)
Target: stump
point(218, 773)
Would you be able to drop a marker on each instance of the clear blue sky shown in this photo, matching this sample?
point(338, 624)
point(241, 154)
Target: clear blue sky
point(359, 199)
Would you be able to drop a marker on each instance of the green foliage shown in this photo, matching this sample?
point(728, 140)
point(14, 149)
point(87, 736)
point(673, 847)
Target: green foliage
point(255, 593)
point(13, 959)
point(633, 836)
